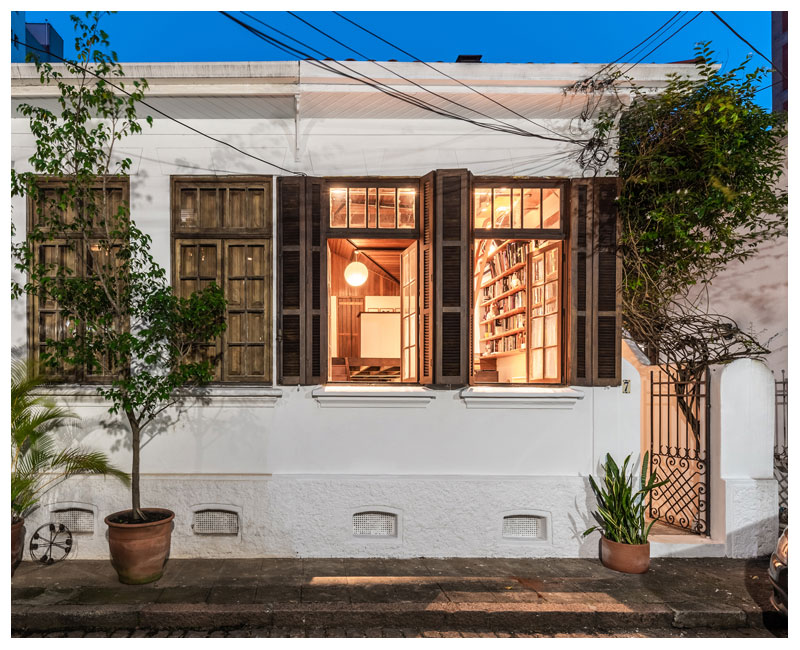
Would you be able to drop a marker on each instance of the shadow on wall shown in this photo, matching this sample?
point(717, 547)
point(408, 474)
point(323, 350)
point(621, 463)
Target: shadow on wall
point(588, 547)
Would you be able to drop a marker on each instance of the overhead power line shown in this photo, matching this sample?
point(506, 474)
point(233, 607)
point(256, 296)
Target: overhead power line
point(748, 43)
point(665, 40)
point(639, 44)
point(160, 112)
point(349, 73)
point(411, 81)
point(441, 72)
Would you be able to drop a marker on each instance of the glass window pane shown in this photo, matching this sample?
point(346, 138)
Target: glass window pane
point(551, 208)
point(483, 209)
point(339, 208)
point(531, 203)
point(358, 207)
point(536, 364)
point(551, 363)
point(405, 212)
point(372, 208)
point(387, 207)
point(551, 330)
point(502, 208)
point(516, 208)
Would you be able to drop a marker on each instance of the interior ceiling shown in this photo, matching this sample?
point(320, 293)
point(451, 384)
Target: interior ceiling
point(385, 253)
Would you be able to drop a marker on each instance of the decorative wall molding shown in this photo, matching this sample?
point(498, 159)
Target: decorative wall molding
point(373, 396)
point(523, 397)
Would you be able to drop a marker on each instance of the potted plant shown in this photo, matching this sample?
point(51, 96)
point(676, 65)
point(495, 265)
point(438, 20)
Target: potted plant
point(621, 516)
point(124, 327)
point(37, 463)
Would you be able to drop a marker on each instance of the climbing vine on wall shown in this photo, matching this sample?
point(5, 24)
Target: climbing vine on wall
point(699, 163)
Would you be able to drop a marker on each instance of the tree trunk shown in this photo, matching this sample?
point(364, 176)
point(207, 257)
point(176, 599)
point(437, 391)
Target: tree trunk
point(137, 514)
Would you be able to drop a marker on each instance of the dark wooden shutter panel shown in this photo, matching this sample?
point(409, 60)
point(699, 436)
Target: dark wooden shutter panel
point(290, 280)
point(452, 275)
point(426, 299)
point(314, 281)
point(596, 274)
point(608, 280)
point(300, 336)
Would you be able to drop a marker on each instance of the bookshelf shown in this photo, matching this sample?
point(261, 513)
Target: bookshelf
point(518, 311)
point(502, 300)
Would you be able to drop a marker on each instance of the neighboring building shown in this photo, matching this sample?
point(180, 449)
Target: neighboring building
point(446, 396)
point(41, 36)
point(780, 57)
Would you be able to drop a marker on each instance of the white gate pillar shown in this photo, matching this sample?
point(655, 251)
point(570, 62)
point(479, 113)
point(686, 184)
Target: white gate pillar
point(744, 493)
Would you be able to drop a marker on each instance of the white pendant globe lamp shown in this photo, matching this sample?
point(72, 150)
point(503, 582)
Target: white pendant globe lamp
point(355, 273)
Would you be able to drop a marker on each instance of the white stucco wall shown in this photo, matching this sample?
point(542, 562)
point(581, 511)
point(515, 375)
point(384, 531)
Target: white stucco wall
point(295, 470)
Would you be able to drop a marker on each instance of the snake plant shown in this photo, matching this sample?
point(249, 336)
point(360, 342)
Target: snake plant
point(621, 510)
point(37, 464)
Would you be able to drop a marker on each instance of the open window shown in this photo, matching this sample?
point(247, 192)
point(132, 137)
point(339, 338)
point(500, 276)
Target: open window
point(372, 311)
point(372, 251)
point(518, 284)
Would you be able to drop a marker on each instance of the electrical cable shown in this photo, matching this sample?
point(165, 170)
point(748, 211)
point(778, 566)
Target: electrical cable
point(749, 44)
point(640, 44)
point(362, 78)
point(411, 81)
point(158, 110)
point(668, 38)
point(435, 69)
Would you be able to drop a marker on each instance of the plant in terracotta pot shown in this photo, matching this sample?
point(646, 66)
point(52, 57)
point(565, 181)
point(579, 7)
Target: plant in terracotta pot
point(38, 464)
point(621, 510)
point(122, 326)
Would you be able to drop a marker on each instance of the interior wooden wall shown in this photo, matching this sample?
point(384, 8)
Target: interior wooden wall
point(377, 284)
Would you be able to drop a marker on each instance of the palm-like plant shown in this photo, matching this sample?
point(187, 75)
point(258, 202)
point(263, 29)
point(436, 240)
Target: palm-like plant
point(621, 511)
point(36, 464)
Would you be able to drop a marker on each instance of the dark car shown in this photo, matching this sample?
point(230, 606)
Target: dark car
point(779, 574)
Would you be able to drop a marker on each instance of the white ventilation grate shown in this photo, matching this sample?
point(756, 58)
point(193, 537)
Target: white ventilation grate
point(524, 526)
point(215, 522)
point(374, 524)
point(77, 520)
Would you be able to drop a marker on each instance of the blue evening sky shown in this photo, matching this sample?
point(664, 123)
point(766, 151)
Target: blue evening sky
point(516, 37)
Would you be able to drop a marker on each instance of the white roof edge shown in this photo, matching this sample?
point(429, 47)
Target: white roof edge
point(556, 74)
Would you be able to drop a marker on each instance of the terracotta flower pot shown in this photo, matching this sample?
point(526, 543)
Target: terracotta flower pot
point(627, 558)
point(17, 540)
point(139, 551)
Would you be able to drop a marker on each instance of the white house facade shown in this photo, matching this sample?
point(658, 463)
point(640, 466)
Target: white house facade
point(454, 402)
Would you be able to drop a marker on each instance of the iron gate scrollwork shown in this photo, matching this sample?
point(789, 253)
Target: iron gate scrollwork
point(679, 445)
point(781, 466)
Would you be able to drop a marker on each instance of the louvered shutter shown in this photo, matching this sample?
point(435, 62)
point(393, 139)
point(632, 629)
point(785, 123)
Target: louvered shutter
point(291, 277)
point(596, 275)
point(426, 280)
point(451, 264)
point(301, 335)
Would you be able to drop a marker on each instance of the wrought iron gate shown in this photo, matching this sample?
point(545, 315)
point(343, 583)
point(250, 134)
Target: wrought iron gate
point(679, 444)
point(781, 467)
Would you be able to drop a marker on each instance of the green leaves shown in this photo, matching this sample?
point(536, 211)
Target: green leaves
point(621, 511)
point(700, 164)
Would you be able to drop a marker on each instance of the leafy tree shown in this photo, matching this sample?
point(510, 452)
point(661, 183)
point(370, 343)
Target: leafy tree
point(699, 162)
point(123, 323)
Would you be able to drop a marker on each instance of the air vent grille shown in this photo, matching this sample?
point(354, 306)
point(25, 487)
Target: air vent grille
point(374, 524)
point(77, 520)
point(215, 522)
point(524, 527)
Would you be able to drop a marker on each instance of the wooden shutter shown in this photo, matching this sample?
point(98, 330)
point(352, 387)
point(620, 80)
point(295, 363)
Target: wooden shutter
point(426, 280)
point(596, 276)
point(301, 335)
point(452, 276)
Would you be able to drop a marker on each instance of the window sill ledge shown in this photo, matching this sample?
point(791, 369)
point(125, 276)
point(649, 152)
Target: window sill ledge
point(217, 396)
point(527, 397)
point(372, 396)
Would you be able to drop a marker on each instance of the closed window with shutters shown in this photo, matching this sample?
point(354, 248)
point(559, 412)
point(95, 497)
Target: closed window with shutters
point(72, 249)
point(222, 233)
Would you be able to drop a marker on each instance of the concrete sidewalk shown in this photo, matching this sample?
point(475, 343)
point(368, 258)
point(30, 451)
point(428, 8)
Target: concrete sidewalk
point(513, 595)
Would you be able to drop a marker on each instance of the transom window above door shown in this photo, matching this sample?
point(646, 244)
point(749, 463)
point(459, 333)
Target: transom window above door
point(373, 207)
point(530, 208)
